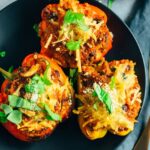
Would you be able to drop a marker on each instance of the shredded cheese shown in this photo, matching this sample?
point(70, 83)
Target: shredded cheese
point(126, 90)
point(78, 59)
point(48, 41)
point(52, 96)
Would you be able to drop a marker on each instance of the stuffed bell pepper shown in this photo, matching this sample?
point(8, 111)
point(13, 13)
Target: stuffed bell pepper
point(74, 33)
point(35, 98)
point(110, 98)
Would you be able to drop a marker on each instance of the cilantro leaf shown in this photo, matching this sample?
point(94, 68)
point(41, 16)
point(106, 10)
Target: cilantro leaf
point(36, 85)
point(95, 106)
point(72, 72)
point(73, 45)
point(6, 108)
point(75, 18)
point(2, 114)
point(15, 117)
point(10, 69)
point(19, 102)
point(45, 78)
point(83, 26)
point(3, 118)
point(52, 115)
point(103, 96)
point(72, 17)
point(2, 53)
point(73, 76)
point(36, 29)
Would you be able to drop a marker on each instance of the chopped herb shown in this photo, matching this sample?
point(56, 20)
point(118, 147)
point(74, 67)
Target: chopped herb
point(2, 114)
point(36, 85)
point(52, 115)
point(73, 76)
point(72, 17)
point(3, 118)
point(36, 29)
point(49, 118)
point(72, 72)
point(103, 96)
point(112, 83)
point(75, 18)
point(83, 26)
point(95, 106)
point(73, 45)
point(2, 53)
point(109, 3)
point(10, 69)
point(45, 78)
point(19, 102)
point(15, 117)
point(6, 108)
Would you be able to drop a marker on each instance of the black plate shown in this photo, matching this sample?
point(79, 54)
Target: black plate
point(18, 39)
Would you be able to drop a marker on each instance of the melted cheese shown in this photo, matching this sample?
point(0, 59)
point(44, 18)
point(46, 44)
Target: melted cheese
point(125, 90)
point(73, 32)
point(52, 96)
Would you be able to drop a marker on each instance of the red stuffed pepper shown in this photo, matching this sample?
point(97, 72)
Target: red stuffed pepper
point(74, 33)
point(35, 99)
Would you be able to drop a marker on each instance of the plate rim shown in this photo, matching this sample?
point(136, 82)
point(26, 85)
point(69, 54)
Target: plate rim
point(146, 83)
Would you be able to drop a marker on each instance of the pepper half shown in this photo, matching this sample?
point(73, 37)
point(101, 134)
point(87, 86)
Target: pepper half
point(42, 83)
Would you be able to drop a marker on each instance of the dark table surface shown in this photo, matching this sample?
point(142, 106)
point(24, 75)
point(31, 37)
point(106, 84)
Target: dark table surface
point(136, 14)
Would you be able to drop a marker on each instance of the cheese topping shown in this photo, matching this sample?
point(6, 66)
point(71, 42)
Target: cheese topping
point(125, 92)
point(53, 95)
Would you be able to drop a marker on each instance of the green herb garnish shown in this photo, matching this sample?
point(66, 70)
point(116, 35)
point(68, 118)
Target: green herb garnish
point(112, 83)
point(52, 115)
point(103, 96)
point(36, 85)
point(95, 106)
point(36, 29)
point(2, 53)
point(75, 18)
point(72, 73)
point(73, 76)
point(15, 117)
point(10, 69)
point(3, 118)
point(73, 45)
point(19, 102)
point(6, 108)
point(45, 78)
